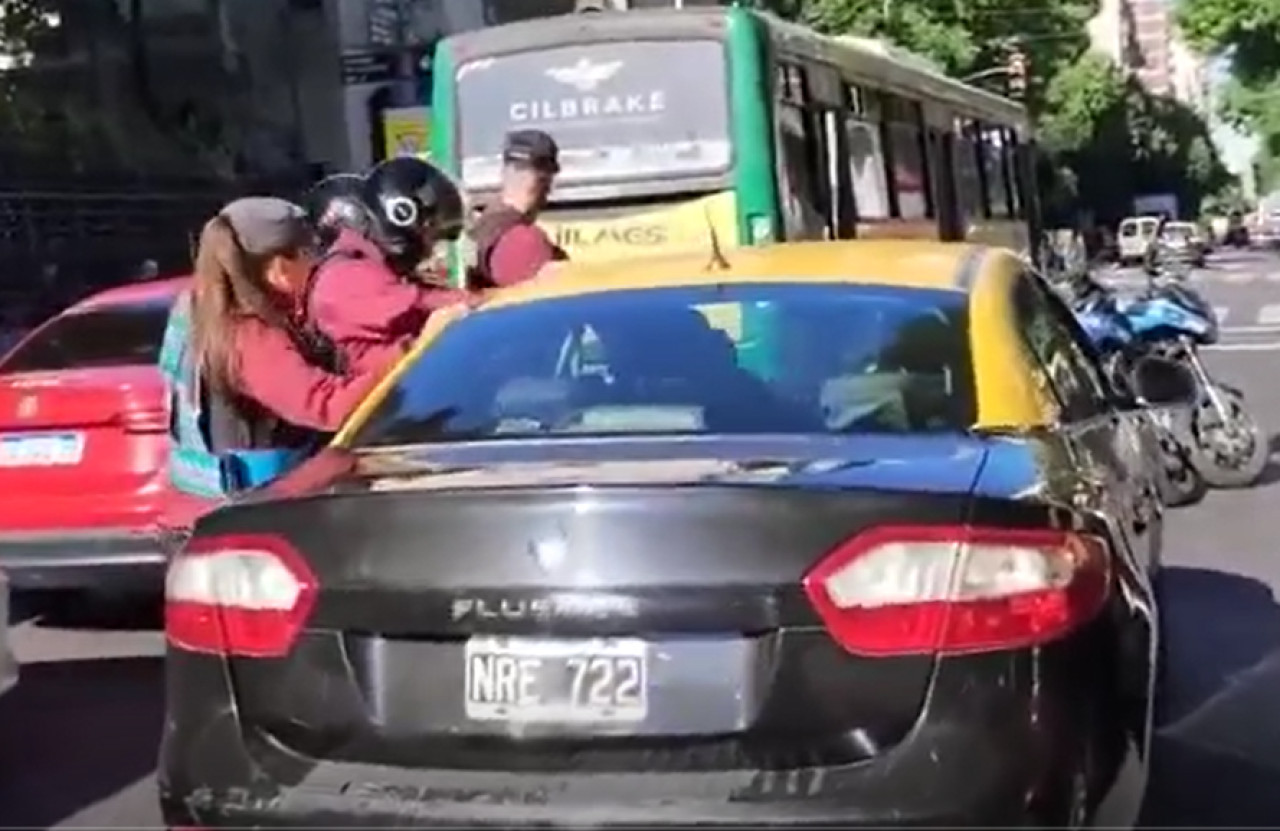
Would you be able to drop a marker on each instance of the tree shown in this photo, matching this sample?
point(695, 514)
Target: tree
point(1076, 101)
point(101, 116)
point(1247, 30)
point(1118, 140)
point(963, 36)
point(34, 118)
point(22, 24)
point(1247, 33)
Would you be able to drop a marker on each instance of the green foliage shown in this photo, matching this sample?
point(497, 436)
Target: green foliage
point(1248, 29)
point(63, 125)
point(23, 23)
point(1248, 33)
point(1076, 101)
point(964, 36)
point(1118, 141)
point(1230, 199)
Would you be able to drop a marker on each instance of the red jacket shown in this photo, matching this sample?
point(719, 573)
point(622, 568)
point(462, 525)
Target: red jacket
point(275, 374)
point(364, 306)
point(520, 253)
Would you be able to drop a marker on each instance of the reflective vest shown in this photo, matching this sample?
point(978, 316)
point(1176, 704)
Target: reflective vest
point(195, 466)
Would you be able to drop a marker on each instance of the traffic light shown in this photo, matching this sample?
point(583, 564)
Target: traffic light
point(1018, 67)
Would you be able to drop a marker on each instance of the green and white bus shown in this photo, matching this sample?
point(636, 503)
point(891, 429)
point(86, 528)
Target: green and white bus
point(669, 120)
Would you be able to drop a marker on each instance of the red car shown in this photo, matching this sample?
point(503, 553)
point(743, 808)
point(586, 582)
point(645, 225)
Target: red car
point(83, 423)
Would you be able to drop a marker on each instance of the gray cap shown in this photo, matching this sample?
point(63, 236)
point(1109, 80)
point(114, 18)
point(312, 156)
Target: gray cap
point(265, 225)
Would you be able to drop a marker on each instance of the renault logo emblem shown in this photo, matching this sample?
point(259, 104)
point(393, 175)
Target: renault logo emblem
point(28, 406)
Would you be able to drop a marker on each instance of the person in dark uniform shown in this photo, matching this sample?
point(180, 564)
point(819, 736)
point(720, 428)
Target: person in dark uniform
point(338, 203)
point(376, 229)
point(510, 247)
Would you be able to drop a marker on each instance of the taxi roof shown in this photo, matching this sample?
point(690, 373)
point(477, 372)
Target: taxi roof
point(899, 263)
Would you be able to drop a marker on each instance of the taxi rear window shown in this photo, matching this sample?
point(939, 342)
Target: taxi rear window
point(781, 359)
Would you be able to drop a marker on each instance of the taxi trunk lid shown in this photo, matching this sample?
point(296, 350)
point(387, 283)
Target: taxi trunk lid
point(524, 608)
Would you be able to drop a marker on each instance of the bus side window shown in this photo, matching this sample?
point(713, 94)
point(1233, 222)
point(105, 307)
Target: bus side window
point(867, 167)
point(968, 174)
point(942, 153)
point(827, 104)
point(801, 167)
point(842, 222)
point(1010, 152)
point(910, 172)
point(993, 158)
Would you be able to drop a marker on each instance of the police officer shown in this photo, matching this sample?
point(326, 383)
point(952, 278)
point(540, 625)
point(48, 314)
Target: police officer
point(510, 247)
point(337, 202)
point(364, 294)
point(415, 205)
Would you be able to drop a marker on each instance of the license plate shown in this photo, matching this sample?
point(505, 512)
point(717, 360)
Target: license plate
point(41, 449)
point(556, 681)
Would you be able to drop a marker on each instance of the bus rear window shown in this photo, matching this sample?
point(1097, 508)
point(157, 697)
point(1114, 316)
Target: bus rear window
point(619, 111)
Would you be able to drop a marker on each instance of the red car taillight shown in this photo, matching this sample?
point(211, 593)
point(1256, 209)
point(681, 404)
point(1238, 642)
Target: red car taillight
point(247, 596)
point(144, 421)
point(914, 590)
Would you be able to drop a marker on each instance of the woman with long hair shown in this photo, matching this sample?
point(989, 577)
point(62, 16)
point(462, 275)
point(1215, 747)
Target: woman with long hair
point(254, 387)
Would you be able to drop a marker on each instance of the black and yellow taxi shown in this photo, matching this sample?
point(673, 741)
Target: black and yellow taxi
point(842, 534)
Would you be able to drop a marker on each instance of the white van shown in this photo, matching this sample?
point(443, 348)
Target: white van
point(1134, 238)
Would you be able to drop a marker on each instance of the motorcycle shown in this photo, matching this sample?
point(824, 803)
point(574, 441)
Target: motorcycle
point(1230, 447)
point(1169, 320)
point(1113, 335)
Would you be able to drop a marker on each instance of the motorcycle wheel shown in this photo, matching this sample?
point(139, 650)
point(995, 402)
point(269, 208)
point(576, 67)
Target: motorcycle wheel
point(1182, 482)
point(1235, 467)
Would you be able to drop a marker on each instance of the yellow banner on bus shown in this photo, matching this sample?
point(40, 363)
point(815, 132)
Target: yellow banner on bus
point(683, 227)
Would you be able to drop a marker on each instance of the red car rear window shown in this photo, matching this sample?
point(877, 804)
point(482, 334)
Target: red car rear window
point(123, 335)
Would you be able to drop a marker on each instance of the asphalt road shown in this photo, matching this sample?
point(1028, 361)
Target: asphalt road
point(78, 737)
point(1244, 288)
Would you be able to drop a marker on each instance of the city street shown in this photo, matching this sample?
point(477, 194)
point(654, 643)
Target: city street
point(78, 737)
point(1244, 288)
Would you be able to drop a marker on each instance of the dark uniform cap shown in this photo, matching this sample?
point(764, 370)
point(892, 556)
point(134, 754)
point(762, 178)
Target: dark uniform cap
point(531, 148)
point(265, 225)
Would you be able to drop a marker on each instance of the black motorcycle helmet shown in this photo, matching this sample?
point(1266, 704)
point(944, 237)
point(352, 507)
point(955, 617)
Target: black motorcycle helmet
point(415, 205)
point(339, 202)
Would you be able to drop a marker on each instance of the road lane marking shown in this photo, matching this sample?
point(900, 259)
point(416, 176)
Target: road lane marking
point(1269, 346)
point(1259, 329)
point(1238, 276)
point(1269, 314)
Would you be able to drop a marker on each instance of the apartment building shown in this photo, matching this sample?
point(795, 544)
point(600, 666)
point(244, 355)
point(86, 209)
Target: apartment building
point(1111, 31)
point(1153, 33)
point(1190, 77)
point(1138, 35)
